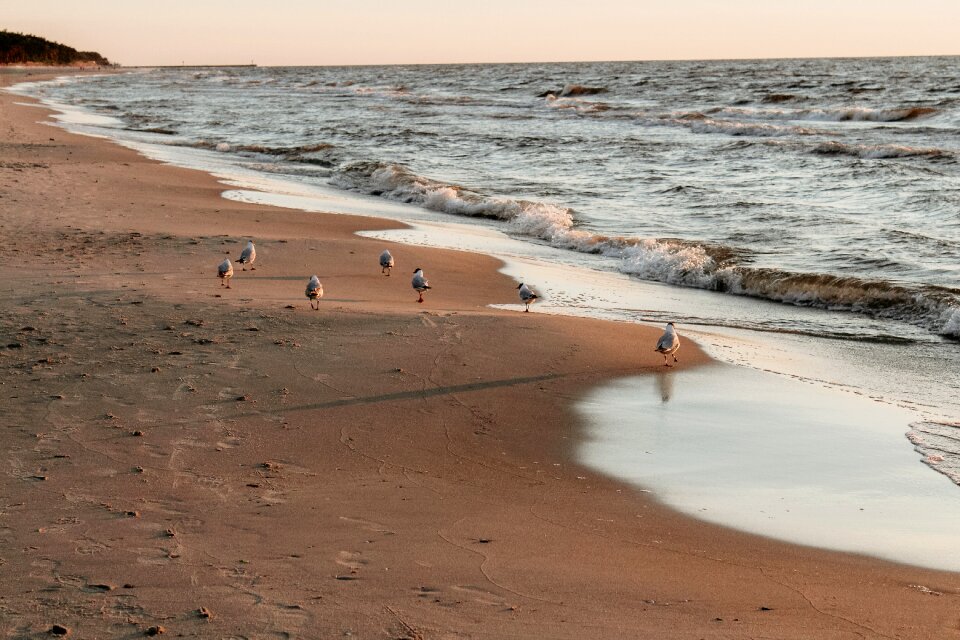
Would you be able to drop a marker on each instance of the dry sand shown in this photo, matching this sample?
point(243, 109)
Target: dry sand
point(206, 462)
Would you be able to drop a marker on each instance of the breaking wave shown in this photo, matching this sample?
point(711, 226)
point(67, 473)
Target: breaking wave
point(876, 152)
point(576, 104)
point(838, 114)
point(672, 261)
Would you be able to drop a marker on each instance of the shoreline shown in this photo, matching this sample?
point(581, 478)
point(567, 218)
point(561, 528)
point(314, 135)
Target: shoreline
point(573, 548)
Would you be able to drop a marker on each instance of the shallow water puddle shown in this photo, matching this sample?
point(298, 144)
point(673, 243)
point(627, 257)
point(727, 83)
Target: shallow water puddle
point(771, 455)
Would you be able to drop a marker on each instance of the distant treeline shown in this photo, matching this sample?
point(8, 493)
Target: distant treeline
point(20, 48)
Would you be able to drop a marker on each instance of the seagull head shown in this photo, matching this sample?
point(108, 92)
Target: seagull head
point(417, 269)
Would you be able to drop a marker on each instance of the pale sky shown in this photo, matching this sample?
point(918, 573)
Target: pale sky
point(333, 32)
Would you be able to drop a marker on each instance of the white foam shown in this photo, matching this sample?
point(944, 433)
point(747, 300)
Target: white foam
point(669, 262)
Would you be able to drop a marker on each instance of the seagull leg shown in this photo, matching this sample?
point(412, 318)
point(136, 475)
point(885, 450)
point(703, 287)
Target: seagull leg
point(420, 299)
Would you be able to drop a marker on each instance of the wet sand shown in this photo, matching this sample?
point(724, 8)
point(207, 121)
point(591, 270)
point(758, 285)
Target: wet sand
point(229, 463)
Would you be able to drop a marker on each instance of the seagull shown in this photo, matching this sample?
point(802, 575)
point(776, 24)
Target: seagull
point(314, 292)
point(386, 262)
point(668, 344)
point(527, 295)
point(225, 272)
point(419, 283)
point(248, 255)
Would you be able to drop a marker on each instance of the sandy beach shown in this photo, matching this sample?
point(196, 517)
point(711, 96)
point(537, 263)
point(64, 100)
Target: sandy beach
point(183, 458)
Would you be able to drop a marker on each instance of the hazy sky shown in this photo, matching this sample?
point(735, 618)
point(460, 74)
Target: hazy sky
point(325, 32)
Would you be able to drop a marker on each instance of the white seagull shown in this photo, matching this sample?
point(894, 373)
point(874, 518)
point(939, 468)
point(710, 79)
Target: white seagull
point(419, 283)
point(314, 292)
point(248, 255)
point(386, 262)
point(225, 272)
point(668, 344)
point(527, 295)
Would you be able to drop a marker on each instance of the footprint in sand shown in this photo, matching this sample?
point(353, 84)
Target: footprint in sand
point(229, 443)
point(480, 596)
point(351, 560)
point(369, 525)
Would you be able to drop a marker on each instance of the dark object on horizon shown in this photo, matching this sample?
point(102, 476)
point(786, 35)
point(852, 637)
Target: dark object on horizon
point(20, 48)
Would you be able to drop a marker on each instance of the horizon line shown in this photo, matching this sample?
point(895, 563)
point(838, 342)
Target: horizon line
point(516, 62)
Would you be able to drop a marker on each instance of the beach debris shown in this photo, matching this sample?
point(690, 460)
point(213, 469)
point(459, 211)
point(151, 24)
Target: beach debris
point(101, 587)
point(59, 630)
point(668, 344)
point(926, 590)
point(527, 296)
point(155, 630)
point(248, 256)
point(314, 292)
point(386, 262)
point(419, 283)
point(225, 272)
point(203, 612)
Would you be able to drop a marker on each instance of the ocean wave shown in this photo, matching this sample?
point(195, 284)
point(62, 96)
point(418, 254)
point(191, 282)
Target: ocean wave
point(576, 104)
point(160, 130)
point(396, 182)
point(777, 98)
point(697, 266)
point(746, 129)
point(669, 260)
point(877, 152)
point(701, 123)
point(836, 114)
point(572, 90)
point(288, 153)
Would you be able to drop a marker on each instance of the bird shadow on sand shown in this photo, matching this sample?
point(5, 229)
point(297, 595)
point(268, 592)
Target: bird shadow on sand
point(418, 394)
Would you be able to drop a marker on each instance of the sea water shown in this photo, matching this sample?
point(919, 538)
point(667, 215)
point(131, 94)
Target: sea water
point(799, 218)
